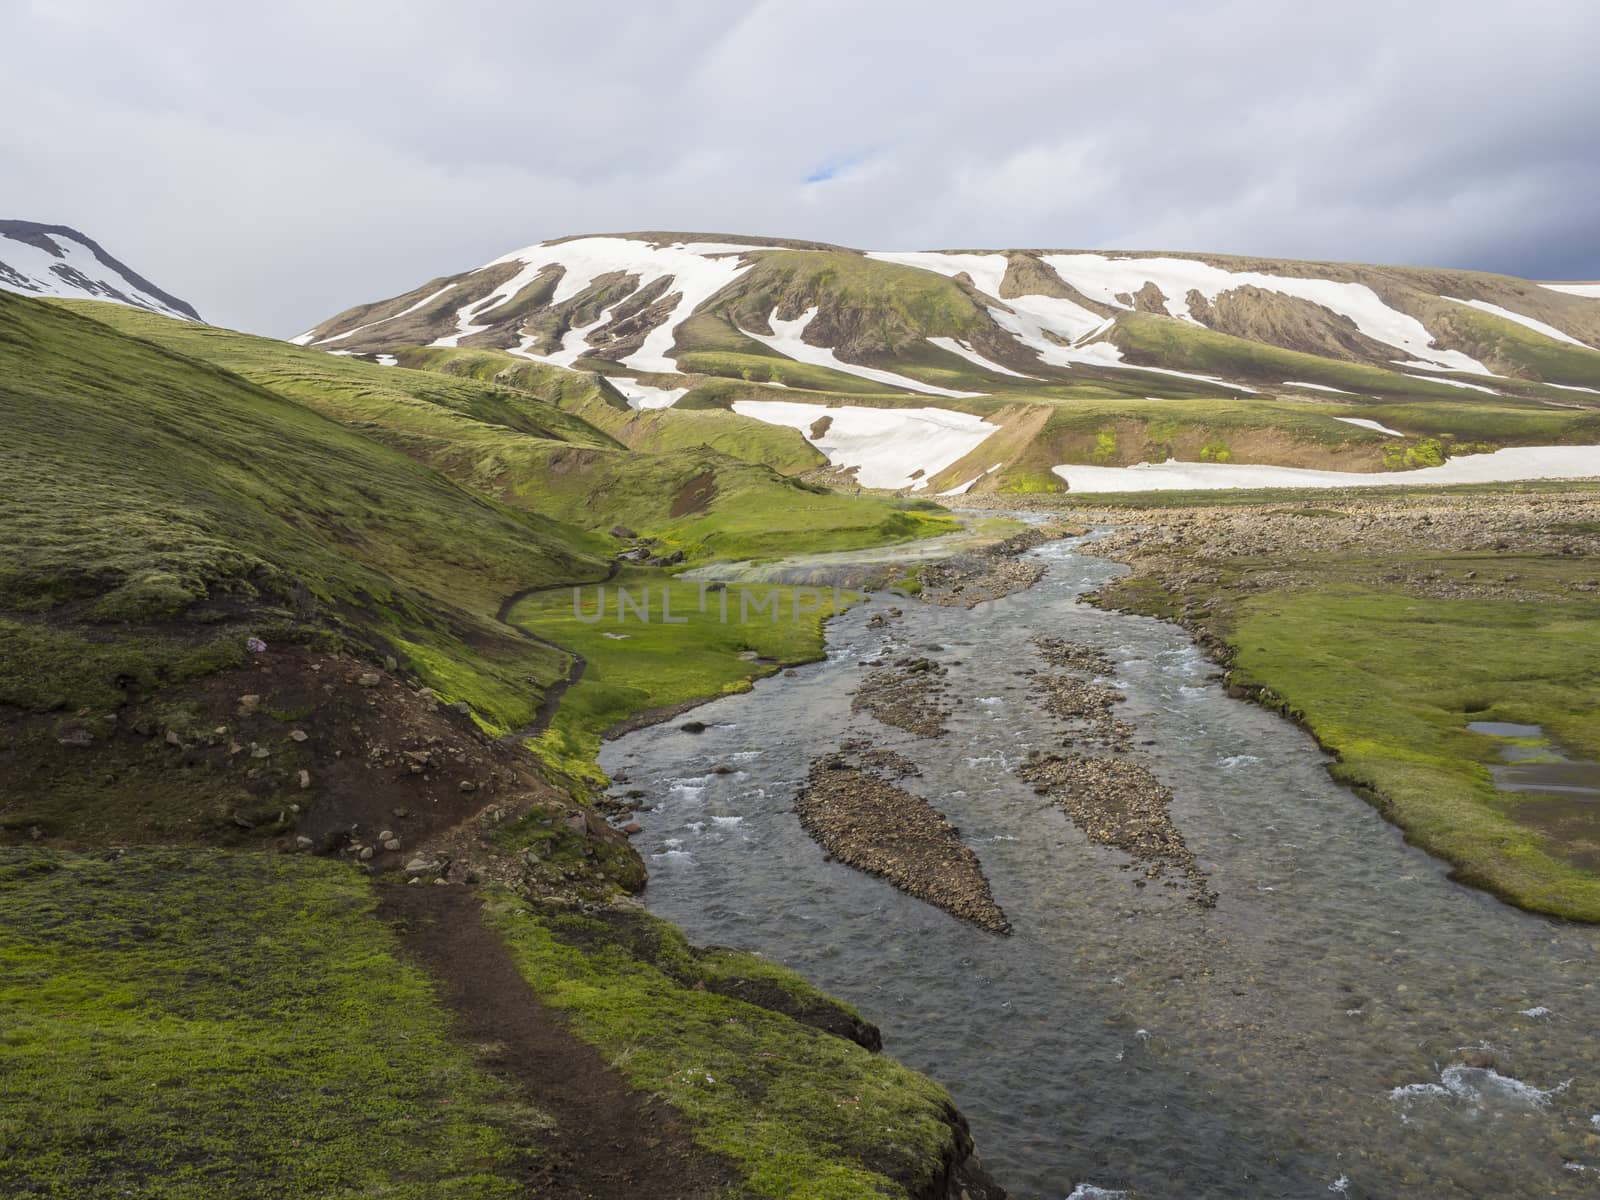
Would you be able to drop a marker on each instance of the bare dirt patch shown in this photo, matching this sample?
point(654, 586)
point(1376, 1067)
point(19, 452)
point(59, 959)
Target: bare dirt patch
point(608, 1142)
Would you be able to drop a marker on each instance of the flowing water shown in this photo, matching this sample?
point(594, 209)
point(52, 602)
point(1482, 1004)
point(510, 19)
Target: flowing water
point(1346, 1021)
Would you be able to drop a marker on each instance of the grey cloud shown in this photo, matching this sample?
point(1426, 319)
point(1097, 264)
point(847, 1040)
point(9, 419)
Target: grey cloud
point(273, 165)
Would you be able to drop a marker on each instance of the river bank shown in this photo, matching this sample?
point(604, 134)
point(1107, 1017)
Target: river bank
point(1387, 627)
point(1308, 1029)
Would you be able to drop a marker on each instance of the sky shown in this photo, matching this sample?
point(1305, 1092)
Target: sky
point(275, 164)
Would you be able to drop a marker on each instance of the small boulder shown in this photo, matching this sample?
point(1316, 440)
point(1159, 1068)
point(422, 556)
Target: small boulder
point(391, 844)
point(693, 727)
point(466, 785)
point(622, 531)
point(305, 779)
point(298, 735)
point(369, 679)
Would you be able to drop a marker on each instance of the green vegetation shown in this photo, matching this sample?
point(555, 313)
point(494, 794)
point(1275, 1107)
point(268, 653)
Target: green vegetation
point(636, 661)
point(802, 1114)
point(1388, 677)
point(140, 483)
point(1179, 345)
point(186, 1025)
point(698, 419)
point(488, 436)
point(1511, 347)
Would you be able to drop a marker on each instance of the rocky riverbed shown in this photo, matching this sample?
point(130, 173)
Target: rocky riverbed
point(852, 805)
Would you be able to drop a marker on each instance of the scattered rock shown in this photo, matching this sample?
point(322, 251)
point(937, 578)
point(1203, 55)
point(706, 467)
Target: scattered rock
point(305, 779)
point(876, 827)
point(369, 679)
point(298, 735)
point(693, 727)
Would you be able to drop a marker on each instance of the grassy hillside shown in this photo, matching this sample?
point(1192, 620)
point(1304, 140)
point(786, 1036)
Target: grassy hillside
point(686, 425)
point(143, 486)
point(518, 441)
point(181, 1022)
point(186, 1024)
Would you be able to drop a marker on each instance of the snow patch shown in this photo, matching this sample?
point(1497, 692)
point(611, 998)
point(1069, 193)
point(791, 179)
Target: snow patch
point(1364, 423)
point(1549, 331)
point(1102, 278)
point(786, 339)
point(77, 274)
point(305, 338)
point(956, 346)
point(1316, 387)
point(1503, 466)
point(1476, 387)
point(886, 445)
point(1590, 291)
point(642, 395)
point(697, 270)
point(1026, 318)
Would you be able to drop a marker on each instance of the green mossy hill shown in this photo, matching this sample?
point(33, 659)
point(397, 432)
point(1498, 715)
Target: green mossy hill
point(186, 1025)
point(497, 437)
point(1513, 348)
point(865, 307)
point(422, 405)
point(692, 422)
point(1167, 342)
point(802, 1114)
point(142, 486)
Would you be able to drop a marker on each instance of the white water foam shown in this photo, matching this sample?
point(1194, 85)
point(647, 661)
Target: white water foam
point(1480, 1086)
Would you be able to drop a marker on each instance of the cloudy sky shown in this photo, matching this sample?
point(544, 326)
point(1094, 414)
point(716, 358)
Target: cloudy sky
point(276, 163)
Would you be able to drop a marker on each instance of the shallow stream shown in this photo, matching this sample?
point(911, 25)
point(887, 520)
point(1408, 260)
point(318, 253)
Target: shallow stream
point(1346, 1021)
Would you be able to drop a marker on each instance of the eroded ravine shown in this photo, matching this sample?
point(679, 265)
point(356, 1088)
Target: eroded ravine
point(1344, 1017)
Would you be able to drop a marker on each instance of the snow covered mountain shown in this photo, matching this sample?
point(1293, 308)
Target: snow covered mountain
point(1009, 363)
point(648, 302)
point(58, 261)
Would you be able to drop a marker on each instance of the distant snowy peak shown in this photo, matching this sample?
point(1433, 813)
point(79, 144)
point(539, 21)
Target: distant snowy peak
point(957, 324)
point(60, 262)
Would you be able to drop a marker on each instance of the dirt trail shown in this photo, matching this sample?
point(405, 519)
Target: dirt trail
point(609, 1142)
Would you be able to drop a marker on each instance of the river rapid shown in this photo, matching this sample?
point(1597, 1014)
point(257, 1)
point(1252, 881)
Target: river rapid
point(1346, 1020)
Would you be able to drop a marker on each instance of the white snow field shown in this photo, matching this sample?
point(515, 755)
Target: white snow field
point(1590, 291)
point(1316, 387)
point(786, 339)
point(698, 270)
point(1549, 331)
point(642, 395)
point(956, 346)
point(36, 266)
point(1102, 278)
point(886, 445)
point(1364, 423)
point(1503, 466)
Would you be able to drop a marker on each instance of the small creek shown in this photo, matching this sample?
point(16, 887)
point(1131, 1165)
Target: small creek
point(1315, 1034)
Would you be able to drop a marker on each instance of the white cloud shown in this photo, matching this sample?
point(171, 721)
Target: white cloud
point(274, 165)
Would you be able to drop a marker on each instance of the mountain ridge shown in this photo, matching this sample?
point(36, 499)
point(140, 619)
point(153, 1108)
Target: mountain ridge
point(111, 279)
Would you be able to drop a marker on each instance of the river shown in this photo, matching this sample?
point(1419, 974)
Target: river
point(1312, 1035)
